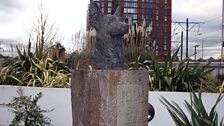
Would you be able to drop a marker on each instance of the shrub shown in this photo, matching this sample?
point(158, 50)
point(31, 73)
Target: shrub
point(34, 70)
point(32, 67)
point(27, 111)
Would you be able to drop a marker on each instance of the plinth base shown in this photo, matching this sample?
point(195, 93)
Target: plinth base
point(110, 98)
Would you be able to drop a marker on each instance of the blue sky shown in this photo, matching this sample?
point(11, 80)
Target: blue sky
point(69, 16)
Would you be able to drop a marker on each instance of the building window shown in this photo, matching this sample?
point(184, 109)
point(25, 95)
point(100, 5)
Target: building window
point(130, 10)
point(149, 1)
point(109, 4)
point(166, 6)
point(165, 1)
point(157, 18)
point(109, 10)
point(134, 17)
point(166, 25)
point(102, 4)
point(165, 40)
point(149, 11)
point(134, 21)
point(149, 5)
point(131, 0)
point(157, 1)
point(125, 5)
point(165, 18)
point(135, 5)
point(131, 4)
point(165, 35)
point(98, 4)
point(125, 10)
point(157, 12)
point(143, 11)
point(165, 29)
point(157, 24)
point(147, 17)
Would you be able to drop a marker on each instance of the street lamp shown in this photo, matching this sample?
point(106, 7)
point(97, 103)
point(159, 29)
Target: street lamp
point(202, 49)
point(222, 33)
point(195, 47)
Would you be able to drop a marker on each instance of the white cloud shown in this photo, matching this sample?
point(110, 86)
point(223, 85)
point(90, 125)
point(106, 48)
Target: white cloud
point(17, 17)
point(206, 11)
point(9, 8)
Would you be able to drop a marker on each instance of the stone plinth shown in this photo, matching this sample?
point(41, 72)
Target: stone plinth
point(109, 98)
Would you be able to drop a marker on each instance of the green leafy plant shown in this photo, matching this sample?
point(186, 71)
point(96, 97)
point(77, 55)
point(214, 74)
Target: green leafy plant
point(32, 67)
point(27, 111)
point(29, 70)
point(47, 73)
point(196, 108)
point(170, 76)
point(139, 64)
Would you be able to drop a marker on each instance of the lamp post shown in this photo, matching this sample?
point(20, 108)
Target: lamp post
point(202, 49)
point(202, 46)
point(222, 45)
point(181, 46)
point(195, 52)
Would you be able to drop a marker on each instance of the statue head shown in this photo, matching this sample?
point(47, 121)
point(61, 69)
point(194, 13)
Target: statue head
point(109, 49)
point(111, 24)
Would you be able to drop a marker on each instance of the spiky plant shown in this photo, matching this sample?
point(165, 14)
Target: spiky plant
point(167, 76)
point(197, 110)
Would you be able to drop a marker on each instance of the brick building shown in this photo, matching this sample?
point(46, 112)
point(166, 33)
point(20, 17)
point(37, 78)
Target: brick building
point(156, 13)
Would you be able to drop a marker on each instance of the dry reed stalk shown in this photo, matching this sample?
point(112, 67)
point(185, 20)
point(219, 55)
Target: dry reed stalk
point(57, 52)
point(91, 40)
point(136, 40)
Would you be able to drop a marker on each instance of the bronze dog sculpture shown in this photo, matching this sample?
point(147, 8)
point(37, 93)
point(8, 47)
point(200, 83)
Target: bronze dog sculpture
point(109, 49)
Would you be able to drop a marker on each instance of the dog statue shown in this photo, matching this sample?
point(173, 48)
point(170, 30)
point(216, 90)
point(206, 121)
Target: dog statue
point(109, 49)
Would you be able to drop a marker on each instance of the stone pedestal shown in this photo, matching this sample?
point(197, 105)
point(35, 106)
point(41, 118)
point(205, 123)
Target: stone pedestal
point(109, 98)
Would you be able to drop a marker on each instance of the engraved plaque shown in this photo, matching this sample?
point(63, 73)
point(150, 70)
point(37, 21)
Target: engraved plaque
point(129, 105)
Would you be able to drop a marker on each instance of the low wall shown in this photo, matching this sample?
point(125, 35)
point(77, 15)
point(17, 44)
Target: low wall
point(60, 101)
point(162, 117)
